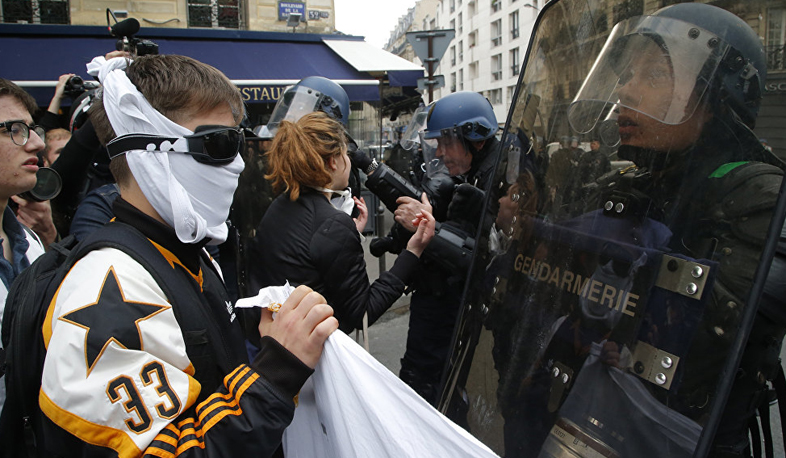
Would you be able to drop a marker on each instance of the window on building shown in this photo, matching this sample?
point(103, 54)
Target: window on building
point(514, 25)
point(511, 93)
point(472, 8)
point(460, 23)
point(35, 12)
point(776, 39)
point(496, 5)
point(452, 82)
point(452, 56)
point(452, 5)
point(495, 96)
point(461, 51)
point(515, 64)
point(496, 67)
point(461, 79)
point(432, 24)
point(496, 33)
point(214, 13)
point(473, 70)
point(453, 24)
point(472, 39)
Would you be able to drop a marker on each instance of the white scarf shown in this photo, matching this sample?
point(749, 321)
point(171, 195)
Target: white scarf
point(191, 197)
point(343, 201)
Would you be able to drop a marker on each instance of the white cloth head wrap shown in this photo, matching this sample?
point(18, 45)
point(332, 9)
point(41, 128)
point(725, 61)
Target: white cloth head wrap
point(192, 197)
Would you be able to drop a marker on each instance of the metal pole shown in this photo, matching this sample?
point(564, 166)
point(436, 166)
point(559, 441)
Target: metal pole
point(380, 209)
point(430, 67)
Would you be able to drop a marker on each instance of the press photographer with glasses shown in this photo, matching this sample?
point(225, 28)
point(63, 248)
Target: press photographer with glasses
point(20, 141)
point(145, 352)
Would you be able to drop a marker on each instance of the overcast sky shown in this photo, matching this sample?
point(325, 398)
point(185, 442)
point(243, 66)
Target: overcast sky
point(373, 19)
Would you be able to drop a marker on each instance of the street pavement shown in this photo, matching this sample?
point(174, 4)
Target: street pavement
point(387, 337)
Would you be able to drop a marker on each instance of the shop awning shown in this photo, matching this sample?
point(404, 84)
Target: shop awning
point(366, 58)
point(262, 64)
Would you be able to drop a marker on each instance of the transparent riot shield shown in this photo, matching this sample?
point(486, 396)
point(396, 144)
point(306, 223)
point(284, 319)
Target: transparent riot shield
point(253, 196)
point(625, 245)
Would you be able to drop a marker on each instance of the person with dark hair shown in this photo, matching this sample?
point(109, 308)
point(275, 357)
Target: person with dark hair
point(20, 142)
point(321, 246)
point(126, 373)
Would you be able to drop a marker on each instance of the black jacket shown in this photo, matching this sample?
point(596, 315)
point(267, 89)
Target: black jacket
point(309, 242)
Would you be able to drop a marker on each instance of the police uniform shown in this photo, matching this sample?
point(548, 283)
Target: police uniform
point(435, 302)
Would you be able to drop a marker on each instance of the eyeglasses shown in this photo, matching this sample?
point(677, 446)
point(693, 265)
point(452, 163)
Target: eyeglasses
point(214, 145)
point(20, 132)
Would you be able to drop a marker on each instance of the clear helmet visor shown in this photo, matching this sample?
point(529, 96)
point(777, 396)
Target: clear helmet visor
point(294, 103)
point(447, 154)
point(659, 67)
point(411, 138)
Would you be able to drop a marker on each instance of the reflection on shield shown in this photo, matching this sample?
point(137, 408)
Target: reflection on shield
point(253, 196)
point(607, 308)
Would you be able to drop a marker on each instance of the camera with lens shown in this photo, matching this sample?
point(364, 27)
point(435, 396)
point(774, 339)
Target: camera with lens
point(75, 86)
point(47, 187)
point(144, 47)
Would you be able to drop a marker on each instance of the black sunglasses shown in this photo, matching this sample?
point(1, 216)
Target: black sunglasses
point(214, 145)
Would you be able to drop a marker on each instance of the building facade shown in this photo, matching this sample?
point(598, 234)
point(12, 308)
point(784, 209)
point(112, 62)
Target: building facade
point(492, 38)
point(489, 47)
point(316, 16)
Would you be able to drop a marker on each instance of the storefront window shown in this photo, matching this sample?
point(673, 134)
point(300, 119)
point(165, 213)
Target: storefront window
point(214, 13)
point(38, 12)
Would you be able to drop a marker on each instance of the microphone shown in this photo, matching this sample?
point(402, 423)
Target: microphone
point(125, 28)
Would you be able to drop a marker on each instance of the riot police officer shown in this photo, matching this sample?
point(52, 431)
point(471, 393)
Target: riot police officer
point(630, 314)
point(458, 139)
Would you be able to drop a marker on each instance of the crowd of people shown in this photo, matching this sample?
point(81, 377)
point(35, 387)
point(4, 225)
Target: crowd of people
point(146, 353)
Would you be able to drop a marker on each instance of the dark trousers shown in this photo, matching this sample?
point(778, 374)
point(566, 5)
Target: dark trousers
point(431, 322)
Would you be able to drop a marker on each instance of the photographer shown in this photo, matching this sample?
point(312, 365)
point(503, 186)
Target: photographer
point(51, 118)
point(83, 165)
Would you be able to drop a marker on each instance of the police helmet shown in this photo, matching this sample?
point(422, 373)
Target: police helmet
point(739, 81)
point(313, 93)
point(464, 114)
point(713, 55)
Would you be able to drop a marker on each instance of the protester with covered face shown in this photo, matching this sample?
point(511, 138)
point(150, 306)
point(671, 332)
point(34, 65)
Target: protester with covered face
point(126, 373)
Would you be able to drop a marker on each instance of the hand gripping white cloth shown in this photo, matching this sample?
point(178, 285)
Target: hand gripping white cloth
point(352, 406)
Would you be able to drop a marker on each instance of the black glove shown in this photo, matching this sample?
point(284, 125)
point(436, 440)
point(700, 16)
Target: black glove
point(360, 160)
point(466, 204)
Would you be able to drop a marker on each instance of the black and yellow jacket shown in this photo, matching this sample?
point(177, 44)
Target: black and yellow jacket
point(133, 372)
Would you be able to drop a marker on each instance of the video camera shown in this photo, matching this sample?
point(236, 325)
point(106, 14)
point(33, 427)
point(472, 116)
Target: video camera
point(125, 31)
point(83, 92)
